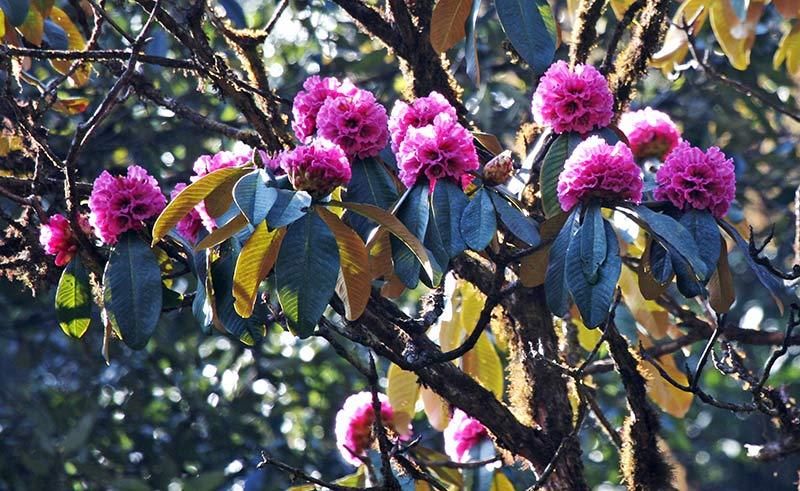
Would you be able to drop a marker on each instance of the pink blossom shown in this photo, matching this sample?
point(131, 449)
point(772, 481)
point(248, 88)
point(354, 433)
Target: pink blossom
point(597, 169)
point(308, 102)
point(354, 425)
point(576, 99)
point(190, 225)
point(690, 178)
point(122, 203)
point(317, 168)
point(356, 122)
point(272, 163)
point(650, 133)
point(461, 434)
point(438, 150)
point(58, 240)
point(419, 113)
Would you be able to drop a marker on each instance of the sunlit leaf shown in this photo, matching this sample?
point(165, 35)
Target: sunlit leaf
point(403, 391)
point(222, 233)
point(33, 27)
point(71, 105)
point(436, 409)
point(448, 23)
point(483, 364)
point(669, 398)
point(75, 42)
point(74, 299)
point(721, 289)
point(500, 482)
point(253, 264)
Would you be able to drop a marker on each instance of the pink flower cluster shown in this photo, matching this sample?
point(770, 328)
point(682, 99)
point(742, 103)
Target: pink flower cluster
point(691, 178)
point(189, 227)
point(317, 168)
point(597, 169)
point(58, 240)
point(354, 425)
point(419, 113)
point(342, 113)
point(576, 99)
point(122, 203)
point(461, 434)
point(651, 133)
point(442, 149)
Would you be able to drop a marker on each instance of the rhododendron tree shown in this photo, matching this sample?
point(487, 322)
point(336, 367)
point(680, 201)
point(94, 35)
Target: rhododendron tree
point(521, 263)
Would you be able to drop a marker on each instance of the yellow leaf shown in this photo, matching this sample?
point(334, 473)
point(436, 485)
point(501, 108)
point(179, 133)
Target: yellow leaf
point(500, 482)
point(2, 23)
point(730, 33)
point(355, 286)
point(436, 409)
point(223, 233)
point(220, 199)
point(648, 286)
point(253, 264)
point(190, 197)
point(75, 42)
point(489, 141)
point(380, 256)
point(793, 51)
point(403, 392)
point(648, 313)
point(469, 303)
point(483, 364)
point(448, 23)
point(393, 225)
point(71, 105)
point(666, 396)
point(675, 46)
point(587, 338)
point(620, 7)
point(720, 288)
point(33, 27)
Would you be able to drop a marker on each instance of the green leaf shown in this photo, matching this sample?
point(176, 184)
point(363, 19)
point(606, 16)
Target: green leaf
point(471, 45)
point(306, 272)
point(556, 290)
point(253, 197)
point(15, 10)
point(288, 207)
point(594, 300)
point(74, 299)
point(703, 227)
point(447, 205)
point(478, 222)
point(414, 213)
point(523, 227)
point(531, 28)
point(370, 184)
point(132, 290)
point(660, 263)
point(552, 165)
point(674, 237)
point(221, 274)
point(593, 243)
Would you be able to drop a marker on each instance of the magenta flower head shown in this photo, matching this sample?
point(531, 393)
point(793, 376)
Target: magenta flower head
point(206, 164)
point(576, 99)
point(308, 102)
point(58, 240)
point(651, 133)
point(122, 203)
point(354, 425)
point(189, 227)
point(443, 149)
point(356, 122)
point(317, 168)
point(419, 113)
point(599, 170)
point(461, 434)
point(689, 178)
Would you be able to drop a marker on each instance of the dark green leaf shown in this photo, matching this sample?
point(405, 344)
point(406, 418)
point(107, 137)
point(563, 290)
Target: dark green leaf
point(531, 28)
point(15, 10)
point(471, 45)
point(370, 184)
point(552, 165)
point(74, 299)
point(253, 197)
point(556, 290)
point(55, 36)
point(132, 290)
point(684, 279)
point(594, 300)
point(222, 271)
point(525, 228)
point(704, 229)
point(447, 205)
point(478, 223)
point(288, 207)
point(592, 243)
point(414, 212)
point(660, 263)
point(234, 13)
point(674, 237)
point(306, 272)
